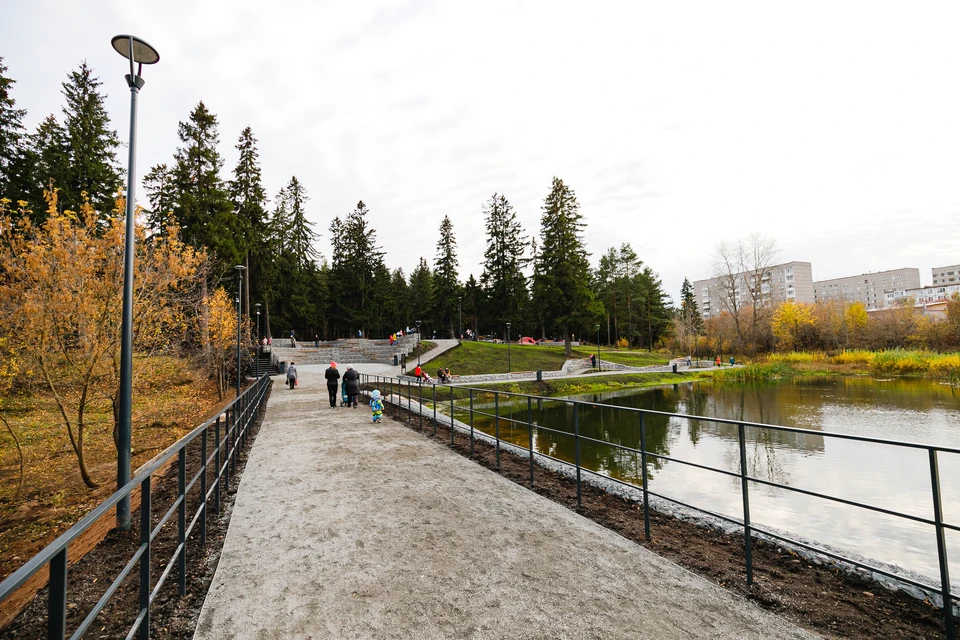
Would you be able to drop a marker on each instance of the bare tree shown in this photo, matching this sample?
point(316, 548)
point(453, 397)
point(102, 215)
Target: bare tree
point(744, 272)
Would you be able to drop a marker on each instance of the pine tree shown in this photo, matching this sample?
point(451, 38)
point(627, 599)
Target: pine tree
point(44, 160)
point(688, 306)
point(502, 277)
point(160, 187)
point(563, 270)
point(446, 285)
point(355, 266)
point(203, 209)
point(399, 304)
point(11, 134)
point(249, 201)
point(300, 236)
point(421, 293)
point(93, 144)
point(473, 300)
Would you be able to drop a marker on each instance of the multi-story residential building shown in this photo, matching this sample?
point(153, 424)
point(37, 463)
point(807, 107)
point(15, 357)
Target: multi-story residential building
point(779, 283)
point(869, 288)
point(922, 295)
point(946, 275)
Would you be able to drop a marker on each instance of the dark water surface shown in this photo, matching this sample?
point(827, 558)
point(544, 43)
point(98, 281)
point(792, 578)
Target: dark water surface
point(895, 478)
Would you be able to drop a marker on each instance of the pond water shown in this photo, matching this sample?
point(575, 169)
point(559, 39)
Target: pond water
point(895, 478)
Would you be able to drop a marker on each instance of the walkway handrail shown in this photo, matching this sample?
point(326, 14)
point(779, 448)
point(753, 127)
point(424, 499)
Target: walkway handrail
point(236, 419)
point(427, 392)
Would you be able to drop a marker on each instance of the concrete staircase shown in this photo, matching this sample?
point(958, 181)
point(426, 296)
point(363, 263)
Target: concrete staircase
point(348, 351)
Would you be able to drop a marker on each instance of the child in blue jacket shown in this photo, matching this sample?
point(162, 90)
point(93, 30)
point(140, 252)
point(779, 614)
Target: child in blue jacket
point(376, 405)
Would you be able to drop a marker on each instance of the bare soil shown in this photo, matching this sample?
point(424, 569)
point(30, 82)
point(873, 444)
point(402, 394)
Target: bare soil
point(821, 599)
point(172, 616)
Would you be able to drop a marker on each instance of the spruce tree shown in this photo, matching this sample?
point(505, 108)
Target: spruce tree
point(503, 261)
point(301, 236)
point(446, 285)
point(160, 188)
point(249, 201)
point(398, 315)
point(44, 160)
point(355, 265)
point(473, 300)
point(11, 134)
point(204, 210)
point(563, 270)
point(421, 294)
point(93, 144)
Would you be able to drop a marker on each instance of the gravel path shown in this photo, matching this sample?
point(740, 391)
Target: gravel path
point(347, 529)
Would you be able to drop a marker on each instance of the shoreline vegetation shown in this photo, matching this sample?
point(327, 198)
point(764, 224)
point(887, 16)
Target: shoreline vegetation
point(896, 362)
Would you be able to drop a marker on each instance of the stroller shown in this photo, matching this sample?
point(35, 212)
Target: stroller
point(344, 398)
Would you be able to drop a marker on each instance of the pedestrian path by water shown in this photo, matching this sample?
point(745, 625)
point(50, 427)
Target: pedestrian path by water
point(347, 529)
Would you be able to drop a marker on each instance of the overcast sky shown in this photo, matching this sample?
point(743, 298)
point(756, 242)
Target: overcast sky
point(832, 126)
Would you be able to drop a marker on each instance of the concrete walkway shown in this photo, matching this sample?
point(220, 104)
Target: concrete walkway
point(347, 529)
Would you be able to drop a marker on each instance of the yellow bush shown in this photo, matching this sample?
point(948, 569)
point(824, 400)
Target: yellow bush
point(622, 343)
point(854, 356)
point(797, 357)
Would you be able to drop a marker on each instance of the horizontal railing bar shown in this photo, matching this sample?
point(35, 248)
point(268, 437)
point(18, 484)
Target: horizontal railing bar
point(15, 580)
point(137, 623)
point(753, 425)
point(156, 530)
point(105, 598)
point(852, 503)
point(830, 554)
point(691, 464)
point(166, 572)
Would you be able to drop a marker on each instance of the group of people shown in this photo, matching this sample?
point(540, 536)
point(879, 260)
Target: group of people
point(395, 337)
point(443, 374)
point(349, 388)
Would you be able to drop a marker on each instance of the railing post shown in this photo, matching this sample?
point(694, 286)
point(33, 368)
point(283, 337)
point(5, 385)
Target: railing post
point(216, 471)
point(471, 422)
point(434, 408)
point(530, 434)
point(941, 546)
point(576, 444)
point(745, 491)
point(203, 486)
point(182, 521)
point(145, 526)
point(226, 466)
point(643, 470)
point(496, 423)
point(57, 601)
point(452, 432)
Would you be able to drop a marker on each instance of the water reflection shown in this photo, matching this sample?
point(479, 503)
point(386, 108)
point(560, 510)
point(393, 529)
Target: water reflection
point(890, 477)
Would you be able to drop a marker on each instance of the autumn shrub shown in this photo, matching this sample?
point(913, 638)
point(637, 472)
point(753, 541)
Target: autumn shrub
point(622, 343)
point(754, 372)
point(857, 357)
point(798, 357)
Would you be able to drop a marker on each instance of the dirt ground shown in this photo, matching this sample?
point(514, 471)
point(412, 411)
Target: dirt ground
point(818, 598)
point(172, 616)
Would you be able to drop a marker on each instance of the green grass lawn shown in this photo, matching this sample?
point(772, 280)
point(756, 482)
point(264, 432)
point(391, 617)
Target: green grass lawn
point(473, 358)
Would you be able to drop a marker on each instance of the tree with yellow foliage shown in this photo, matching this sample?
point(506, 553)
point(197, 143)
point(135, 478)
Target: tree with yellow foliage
point(790, 320)
point(221, 318)
point(61, 292)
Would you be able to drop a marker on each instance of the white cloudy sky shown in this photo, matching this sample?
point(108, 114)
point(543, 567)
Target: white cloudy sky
point(832, 126)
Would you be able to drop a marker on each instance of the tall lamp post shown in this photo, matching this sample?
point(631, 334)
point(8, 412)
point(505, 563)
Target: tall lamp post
point(257, 348)
point(418, 343)
point(508, 347)
point(459, 317)
point(240, 269)
point(599, 366)
point(136, 51)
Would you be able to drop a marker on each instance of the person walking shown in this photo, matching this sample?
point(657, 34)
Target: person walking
point(418, 372)
point(292, 375)
point(352, 379)
point(376, 405)
point(333, 377)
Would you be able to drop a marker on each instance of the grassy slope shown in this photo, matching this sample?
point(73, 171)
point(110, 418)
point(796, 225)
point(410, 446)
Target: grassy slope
point(472, 358)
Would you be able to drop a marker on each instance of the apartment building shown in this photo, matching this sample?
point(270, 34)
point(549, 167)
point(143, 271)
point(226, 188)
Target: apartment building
point(869, 288)
point(923, 295)
point(946, 275)
point(789, 281)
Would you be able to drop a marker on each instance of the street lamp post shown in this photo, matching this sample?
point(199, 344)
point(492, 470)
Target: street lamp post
point(508, 348)
point(240, 269)
point(257, 348)
point(418, 343)
point(136, 51)
point(459, 317)
point(599, 366)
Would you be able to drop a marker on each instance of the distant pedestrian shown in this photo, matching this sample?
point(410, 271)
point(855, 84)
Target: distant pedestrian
point(316, 341)
point(418, 372)
point(716, 362)
point(376, 405)
point(333, 378)
point(446, 373)
point(292, 375)
point(352, 380)
point(593, 360)
point(440, 375)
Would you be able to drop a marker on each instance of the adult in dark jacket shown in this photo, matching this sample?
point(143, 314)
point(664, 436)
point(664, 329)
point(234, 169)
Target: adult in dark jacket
point(333, 377)
point(352, 380)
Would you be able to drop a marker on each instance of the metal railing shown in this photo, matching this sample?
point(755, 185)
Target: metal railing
point(230, 430)
point(427, 393)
